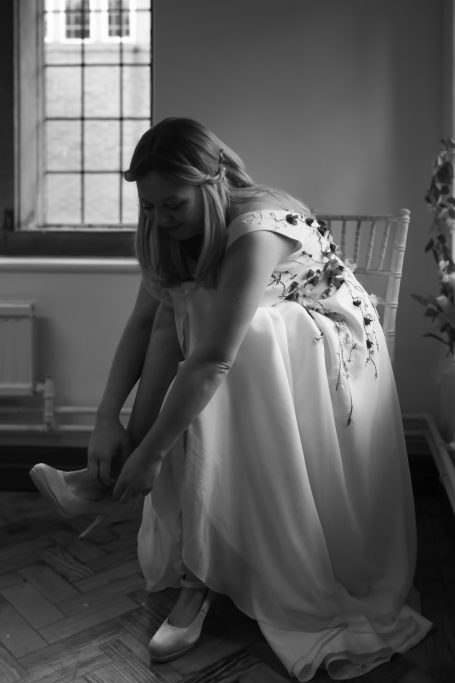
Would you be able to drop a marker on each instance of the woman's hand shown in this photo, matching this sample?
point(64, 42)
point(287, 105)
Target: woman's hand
point(109, 446)
point(137, 477)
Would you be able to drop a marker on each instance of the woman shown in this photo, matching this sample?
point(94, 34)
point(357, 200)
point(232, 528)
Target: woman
point(266, 433)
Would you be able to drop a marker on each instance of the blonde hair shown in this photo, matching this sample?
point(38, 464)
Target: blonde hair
point(185, 151)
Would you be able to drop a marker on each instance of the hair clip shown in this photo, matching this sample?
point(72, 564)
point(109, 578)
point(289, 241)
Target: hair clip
point(221, 168)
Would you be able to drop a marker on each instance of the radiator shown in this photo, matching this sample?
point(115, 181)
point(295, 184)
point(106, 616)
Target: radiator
point(17, 348)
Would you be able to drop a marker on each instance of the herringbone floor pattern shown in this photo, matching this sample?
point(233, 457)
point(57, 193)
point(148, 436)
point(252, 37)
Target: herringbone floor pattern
point(77, 611)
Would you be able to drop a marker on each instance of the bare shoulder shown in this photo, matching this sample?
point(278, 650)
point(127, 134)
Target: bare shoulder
point(260, 204)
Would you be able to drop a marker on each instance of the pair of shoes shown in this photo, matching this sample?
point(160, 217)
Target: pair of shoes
point(169, 642)
point(52, 485)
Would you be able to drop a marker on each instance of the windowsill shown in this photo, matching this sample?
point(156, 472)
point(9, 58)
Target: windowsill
point(68, 244)
point(73, 265)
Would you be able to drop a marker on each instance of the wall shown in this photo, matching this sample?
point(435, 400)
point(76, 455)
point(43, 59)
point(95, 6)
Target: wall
point(338, 103)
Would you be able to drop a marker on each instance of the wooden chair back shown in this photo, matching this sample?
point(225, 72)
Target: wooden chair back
point(376, 244)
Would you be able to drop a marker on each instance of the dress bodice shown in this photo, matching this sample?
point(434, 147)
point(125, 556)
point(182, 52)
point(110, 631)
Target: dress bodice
point(313, 272)
point(313, 275)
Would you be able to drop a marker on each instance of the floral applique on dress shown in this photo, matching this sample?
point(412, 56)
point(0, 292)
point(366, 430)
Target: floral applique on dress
point(324, 275)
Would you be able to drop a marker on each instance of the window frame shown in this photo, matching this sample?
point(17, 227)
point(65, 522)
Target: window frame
point(99, 242)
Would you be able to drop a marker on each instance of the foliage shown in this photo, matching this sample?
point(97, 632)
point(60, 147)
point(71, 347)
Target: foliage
point(441, 308)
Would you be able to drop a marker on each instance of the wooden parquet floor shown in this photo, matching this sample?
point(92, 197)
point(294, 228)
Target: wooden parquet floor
point(76, 610)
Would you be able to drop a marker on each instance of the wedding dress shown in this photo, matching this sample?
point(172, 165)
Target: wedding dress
point(291, 493)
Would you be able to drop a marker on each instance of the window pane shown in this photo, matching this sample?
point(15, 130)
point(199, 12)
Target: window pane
point(136, 91)
point(101, 194)
point(101, 146)
point(130, 203)
point(63, 53)
point(139, 50)
point(102, 85)
point(63, 145)
point(132, 131)
point(63, 91)
point(63, 199)
point(103, 53)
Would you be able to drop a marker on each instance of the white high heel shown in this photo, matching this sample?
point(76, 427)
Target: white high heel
point(52, 485)
point(170, 642)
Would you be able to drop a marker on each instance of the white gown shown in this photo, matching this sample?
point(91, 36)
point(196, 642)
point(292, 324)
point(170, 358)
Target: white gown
point(290, 493)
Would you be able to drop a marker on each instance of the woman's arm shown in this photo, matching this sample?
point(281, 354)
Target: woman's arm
point(244, 275)
point(109, 439)
point(129, 355)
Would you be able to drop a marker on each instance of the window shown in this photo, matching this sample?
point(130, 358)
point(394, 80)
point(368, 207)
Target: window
point(118, 19)
point(84, 97)
point(77, 18)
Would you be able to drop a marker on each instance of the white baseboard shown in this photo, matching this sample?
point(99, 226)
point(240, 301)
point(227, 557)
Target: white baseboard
point(70, 427)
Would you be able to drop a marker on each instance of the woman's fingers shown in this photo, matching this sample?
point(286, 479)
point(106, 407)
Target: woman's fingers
point(108, 449)
point(118, 490)
point(124, 492)
point(136, 478)
point(125, 498)
point(123, 495)
point(104, 472)
point(92, 468)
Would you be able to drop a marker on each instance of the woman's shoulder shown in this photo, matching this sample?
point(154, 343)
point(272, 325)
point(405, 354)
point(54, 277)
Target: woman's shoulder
point(239, 210)
point(266, 216)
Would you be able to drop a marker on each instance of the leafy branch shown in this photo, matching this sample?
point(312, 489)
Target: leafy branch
point(439, 198)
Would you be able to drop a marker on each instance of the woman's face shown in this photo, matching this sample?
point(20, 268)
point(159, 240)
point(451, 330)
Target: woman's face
point(175, 208)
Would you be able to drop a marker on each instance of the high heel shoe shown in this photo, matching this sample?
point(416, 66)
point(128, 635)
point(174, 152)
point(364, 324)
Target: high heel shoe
point(170, 642)
point(52, 485)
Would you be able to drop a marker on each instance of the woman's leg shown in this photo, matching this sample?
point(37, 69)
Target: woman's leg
point(159, 369)
point(189, 602)
point(160, 365)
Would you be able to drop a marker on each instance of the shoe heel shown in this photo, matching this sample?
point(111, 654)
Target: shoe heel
point(99, 519)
